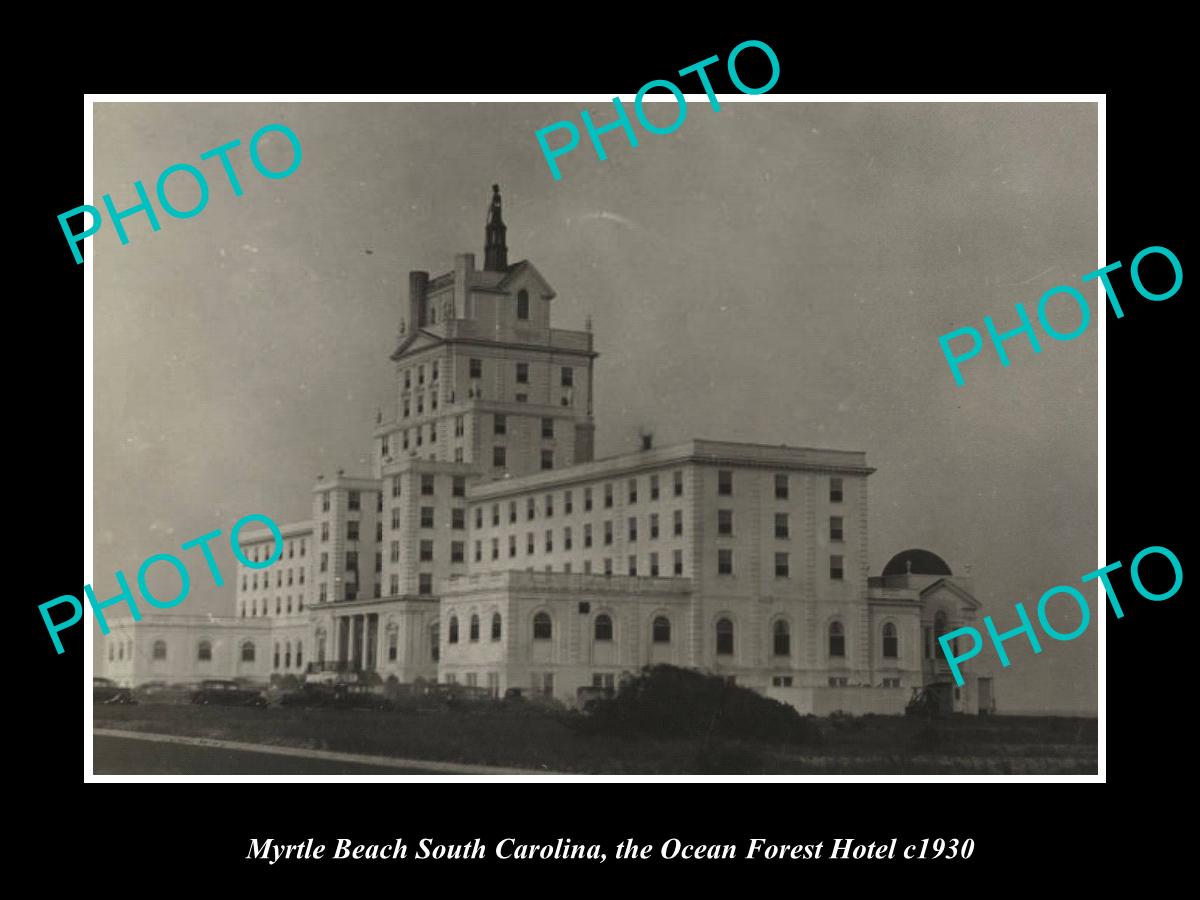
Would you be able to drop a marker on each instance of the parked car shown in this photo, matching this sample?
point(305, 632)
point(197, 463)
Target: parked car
point(227, 693)
point(359, 696)
point(105, 690)
point(162, 692)
point(309, 695)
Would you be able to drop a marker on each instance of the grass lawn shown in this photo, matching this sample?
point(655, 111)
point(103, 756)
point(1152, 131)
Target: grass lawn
point(533, 738)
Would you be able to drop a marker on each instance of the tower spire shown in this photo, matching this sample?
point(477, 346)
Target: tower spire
point(495, 251)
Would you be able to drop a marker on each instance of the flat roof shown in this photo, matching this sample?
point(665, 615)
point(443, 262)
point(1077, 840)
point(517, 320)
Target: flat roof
point(706, 452)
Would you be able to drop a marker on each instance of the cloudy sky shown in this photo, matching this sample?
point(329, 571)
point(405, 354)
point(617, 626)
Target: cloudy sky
point(772, 272)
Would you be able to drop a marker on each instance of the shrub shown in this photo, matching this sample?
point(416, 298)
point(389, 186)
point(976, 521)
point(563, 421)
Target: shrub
point(666, 702)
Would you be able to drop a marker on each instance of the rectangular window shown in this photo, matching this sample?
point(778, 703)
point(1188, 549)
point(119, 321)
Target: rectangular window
point(632, 565)
point(547, 459)
point(838, 682)
point(324, 535)
point(725, 522)
point(353, 500)
point(835, 568)
point(678, 522)
point(351, 560)
point(632, 528)
point(325, 502)
point(567, 538)
point(653, 565)
point(324, 563)
point(499, 459)
point(522, 398)
point(393, 585)
point(512, 511)
point(499, 424)
point(458, 518)
point(781, 525)
point(426, 516)
point(457, 553)
point(835, 490)
point(478, 517)
point(653, 487)
point(522, 304)
point(653, 526)
point(547, 428)
point(725, 483)
point(724, 562)
point(352, 531)
point(479, 551)
point(608, 566)
point(568, 504)
point(420, 404)
point(424, 583)
point(426, 485)
point(781, 680)
point(378, 531)
point(678, 480)
point(323, 594)
point(835, 528)
point(530, 508)
point(432, 433)
point(395, 552)
point(495, 514)
point(781, 565)
point(496, 547)
point(633, 490)
point(512, 546)
point(420, 375)
point(587, 499)
point(608, 496)
point(426, 551)
point(587, 535)
point(677, 562)
point(476, 368)
point(396, 486)
point(459, 426)
point(460, 486)
point(522, 373)
point(407, 379)
point(608, 534)
point(529, 543)
point(568, 376)
point(396, 518)
point(781, 487)
point(407, 409)
point(549, 541)
point(434, 375)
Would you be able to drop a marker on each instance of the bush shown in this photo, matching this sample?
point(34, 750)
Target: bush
point(668, 702)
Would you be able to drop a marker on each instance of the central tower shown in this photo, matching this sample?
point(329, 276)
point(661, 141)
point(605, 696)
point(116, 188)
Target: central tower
point(481, 376)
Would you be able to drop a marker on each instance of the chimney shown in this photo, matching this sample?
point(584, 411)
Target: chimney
point(417, 282)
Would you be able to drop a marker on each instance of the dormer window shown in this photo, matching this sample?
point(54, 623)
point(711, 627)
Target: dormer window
point(522, 304)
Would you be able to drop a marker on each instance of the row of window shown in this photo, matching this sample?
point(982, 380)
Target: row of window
point(250, 582)
point(353, 501)
point(256, 605)
point(475, 368)
point(782, 526)
point(287, 655)
point(262, 552)
point(781, 639)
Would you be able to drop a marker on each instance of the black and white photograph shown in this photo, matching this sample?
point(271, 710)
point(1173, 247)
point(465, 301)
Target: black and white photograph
point(656, 468)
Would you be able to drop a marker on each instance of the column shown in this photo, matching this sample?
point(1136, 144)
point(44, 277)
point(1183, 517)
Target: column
point(372, 641)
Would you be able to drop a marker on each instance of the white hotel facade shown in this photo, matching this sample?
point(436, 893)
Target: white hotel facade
point(488, 547)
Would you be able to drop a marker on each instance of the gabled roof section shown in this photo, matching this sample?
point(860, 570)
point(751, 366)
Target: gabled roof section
point(417, 339)
point(967, 598)
point(526, 266)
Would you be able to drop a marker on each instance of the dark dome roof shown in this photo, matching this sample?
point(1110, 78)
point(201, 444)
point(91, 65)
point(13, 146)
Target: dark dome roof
point(923, 563)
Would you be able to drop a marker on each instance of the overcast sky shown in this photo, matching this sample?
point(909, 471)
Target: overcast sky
point(772, 272)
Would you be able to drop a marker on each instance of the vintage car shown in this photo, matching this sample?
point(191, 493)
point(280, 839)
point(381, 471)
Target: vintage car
point(227, 693)
point(343, 695)
point(162, 692)
point(105, 690)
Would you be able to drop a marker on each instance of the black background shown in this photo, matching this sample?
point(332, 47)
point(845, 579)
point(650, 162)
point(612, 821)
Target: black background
point(138, 826)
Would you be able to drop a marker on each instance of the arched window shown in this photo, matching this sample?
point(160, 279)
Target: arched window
point(661, 630)
point(603, 627)
point(542, 629)
point(453, 630)
point(435, 644)
point(522, 304)
point(497, 625)
point(781, 643)
point(204, 651)
point(837, 639)
point(891, 646)
point(248, 651)
point(474, 627)
point(276, 654)
point(393, 638)
point(724, 637)
point(160, 649)
point(287, 655)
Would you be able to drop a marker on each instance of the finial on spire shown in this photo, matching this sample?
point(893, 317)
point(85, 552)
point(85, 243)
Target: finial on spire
point(495, 251)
